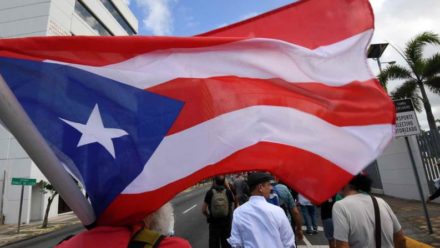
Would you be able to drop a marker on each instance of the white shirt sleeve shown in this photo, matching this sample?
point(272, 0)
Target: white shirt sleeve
point(235, 240)
point(286, 232)
point(396, 224)
point(340, 223)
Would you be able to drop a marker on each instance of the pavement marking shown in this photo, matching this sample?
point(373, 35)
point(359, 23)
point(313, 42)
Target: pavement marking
point(189, 209)
point(308, 244)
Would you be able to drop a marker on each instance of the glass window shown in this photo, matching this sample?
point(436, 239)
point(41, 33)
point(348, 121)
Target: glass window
point(117, 15)
point(88, 17)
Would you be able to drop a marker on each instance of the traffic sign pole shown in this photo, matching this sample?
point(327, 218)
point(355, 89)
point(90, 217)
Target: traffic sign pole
point(21, 207)
point(22, 182)
point(419, 185)
point(406, 125)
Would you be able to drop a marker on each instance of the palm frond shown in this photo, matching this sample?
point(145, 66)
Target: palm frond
point(432, 66)
point(433, 84)
point(393, 72)
point(414, 48)
point(409, 90)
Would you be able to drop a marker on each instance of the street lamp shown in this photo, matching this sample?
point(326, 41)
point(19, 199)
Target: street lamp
point(375, 51)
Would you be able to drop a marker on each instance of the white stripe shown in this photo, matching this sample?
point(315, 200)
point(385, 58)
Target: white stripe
point(335, 64)
point(308, 244)
point(351, 148)
point(189, 209)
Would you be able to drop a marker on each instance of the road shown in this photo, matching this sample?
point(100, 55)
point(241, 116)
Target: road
point(190, 224)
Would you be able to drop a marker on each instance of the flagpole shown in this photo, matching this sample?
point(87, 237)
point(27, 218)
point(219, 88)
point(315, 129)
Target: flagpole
point(19, 124)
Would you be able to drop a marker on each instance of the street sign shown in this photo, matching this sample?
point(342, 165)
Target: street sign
point(406, 118)
point(24, 181)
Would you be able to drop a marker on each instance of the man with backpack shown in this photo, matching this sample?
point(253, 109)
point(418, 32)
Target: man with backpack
point(287, 203)
point(218, 207)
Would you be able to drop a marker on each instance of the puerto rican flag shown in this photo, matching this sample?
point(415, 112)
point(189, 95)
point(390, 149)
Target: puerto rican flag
point(139, 119)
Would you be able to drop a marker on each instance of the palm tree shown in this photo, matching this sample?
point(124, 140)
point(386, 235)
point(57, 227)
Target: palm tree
point(421, 72)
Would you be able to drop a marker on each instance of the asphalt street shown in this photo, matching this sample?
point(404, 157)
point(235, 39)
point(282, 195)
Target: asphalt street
point(190, 224)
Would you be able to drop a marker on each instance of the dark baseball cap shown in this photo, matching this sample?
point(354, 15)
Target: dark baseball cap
point(258, 177)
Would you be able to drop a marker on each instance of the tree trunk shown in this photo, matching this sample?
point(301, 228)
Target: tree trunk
point(46, 214)
point(431, 120)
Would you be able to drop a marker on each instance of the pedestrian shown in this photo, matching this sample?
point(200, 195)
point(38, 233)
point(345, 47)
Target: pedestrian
point(327, 221)
point(287, 203)
point(152, 231)
point(358, 217)
point(308, 211)
point(218, 207)
point(258, 223)
point(241, 189)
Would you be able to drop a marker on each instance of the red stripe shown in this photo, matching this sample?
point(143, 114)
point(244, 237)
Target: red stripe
point(317, 178)
point(97, 50)
point(306, 23)
point(357, 103)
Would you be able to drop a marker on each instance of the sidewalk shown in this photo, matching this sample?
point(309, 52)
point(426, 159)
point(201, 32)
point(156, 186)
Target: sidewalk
point(8, 232)
point(412, 218)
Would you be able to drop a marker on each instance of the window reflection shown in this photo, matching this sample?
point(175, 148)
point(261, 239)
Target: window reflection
point(117, 15)
point(91, 20)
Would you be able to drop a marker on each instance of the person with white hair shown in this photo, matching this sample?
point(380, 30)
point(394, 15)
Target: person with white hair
point(155, 230)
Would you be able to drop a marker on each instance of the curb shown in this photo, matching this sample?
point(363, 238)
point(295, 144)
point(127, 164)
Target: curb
point(27, 242)
point(415, 244)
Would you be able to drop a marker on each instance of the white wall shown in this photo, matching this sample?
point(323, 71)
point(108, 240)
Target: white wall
point(60, 17)
point(397, 173)
point(19, 18)
point(16, 163)
point(37, 204)
point(16, 168)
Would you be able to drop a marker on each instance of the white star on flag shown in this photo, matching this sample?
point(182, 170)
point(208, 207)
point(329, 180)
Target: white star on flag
point(94, 131)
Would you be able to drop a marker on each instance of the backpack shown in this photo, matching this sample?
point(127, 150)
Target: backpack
point(219, 204)
point(274, 197)
point(276, 200)
point(146, 238)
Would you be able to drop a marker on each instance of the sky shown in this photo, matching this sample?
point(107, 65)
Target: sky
point(396, 22)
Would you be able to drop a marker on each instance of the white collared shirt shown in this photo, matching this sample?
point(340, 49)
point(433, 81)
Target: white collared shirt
point(259, 224)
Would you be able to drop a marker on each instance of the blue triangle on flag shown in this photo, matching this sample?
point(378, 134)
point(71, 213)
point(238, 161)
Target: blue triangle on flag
point(50, 92)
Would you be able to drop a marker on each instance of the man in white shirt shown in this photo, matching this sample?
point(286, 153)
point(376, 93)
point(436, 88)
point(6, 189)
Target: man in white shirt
point(258, 223)
point(354, 218)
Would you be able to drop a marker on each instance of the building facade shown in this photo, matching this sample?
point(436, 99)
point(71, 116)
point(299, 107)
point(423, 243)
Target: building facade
point(24, 18)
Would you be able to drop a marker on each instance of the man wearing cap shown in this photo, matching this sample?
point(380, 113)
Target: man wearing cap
point(258, 223)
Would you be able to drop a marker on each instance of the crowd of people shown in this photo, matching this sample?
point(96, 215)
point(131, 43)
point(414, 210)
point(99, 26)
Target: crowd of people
point(257, 210)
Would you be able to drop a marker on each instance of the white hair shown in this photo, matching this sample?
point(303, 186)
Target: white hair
point(161, 221)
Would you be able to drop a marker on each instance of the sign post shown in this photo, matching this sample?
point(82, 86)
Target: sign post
point(22, 182)
point(406, 125)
